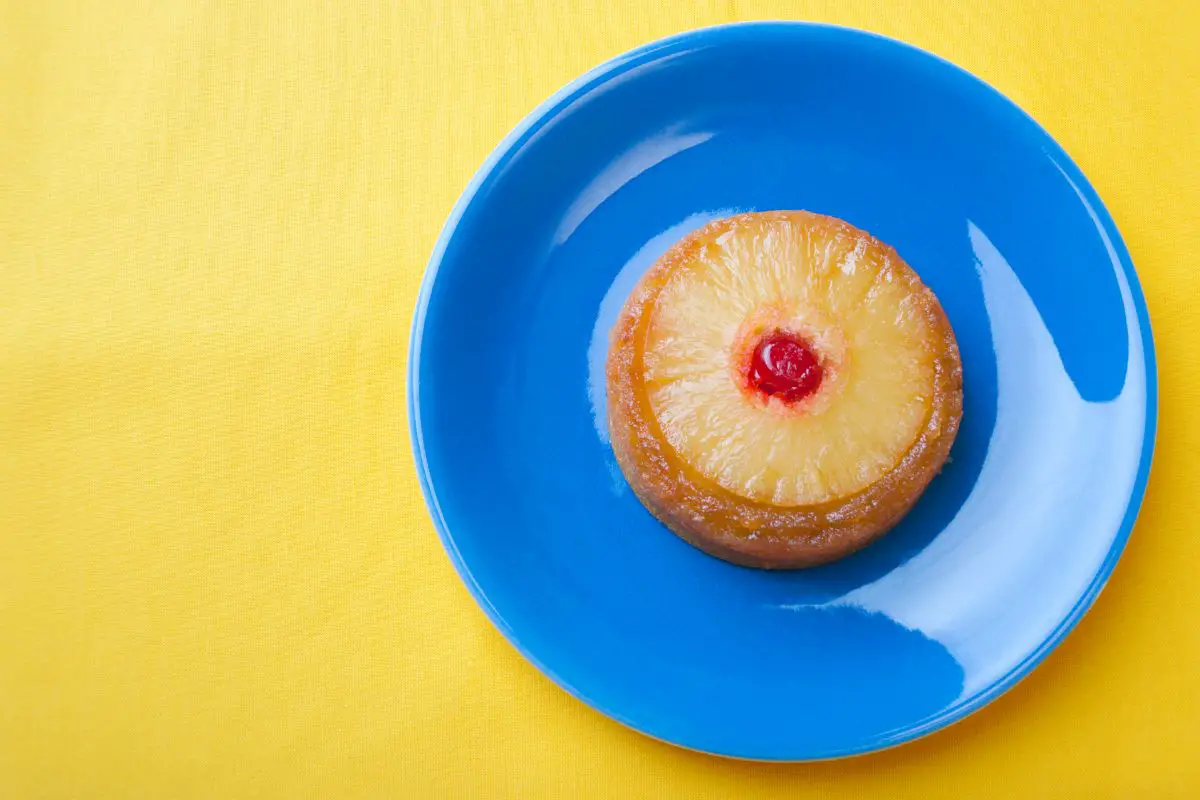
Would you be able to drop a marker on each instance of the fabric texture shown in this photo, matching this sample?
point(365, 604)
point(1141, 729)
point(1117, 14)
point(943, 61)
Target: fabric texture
point(217, 577)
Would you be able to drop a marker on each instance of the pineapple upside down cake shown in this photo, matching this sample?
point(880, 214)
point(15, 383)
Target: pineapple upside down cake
point(781, 389)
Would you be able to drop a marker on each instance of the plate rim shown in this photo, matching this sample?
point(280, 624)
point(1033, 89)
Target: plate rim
point(529, 126)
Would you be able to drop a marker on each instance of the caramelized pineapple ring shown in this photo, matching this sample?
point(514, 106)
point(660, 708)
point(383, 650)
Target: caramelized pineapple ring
point(831, 287)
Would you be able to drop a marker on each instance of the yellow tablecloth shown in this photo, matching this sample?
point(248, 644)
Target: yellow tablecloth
point(217, 578)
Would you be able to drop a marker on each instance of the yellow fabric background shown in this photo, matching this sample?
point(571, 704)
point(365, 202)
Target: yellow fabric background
point(217, 578)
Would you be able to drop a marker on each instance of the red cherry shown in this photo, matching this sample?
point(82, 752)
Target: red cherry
point(784, 366)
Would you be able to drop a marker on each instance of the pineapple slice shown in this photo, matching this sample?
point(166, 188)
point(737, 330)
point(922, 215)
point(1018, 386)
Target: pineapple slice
point(846, 300)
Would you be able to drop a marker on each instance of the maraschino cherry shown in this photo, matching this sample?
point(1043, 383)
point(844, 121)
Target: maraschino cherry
point(784, 366)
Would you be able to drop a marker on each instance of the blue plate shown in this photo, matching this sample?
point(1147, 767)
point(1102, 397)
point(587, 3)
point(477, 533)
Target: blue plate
point(1007, 548)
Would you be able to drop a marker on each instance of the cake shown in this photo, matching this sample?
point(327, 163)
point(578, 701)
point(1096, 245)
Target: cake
point(782, 388)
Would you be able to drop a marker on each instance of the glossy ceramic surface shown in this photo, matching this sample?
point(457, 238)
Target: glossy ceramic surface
point(1003, 554)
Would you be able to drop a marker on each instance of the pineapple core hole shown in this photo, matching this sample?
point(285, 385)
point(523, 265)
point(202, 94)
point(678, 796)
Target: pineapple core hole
point(784, 366)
